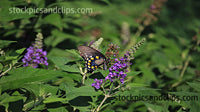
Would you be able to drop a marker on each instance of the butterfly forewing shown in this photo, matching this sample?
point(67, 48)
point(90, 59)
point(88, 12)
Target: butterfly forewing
point(88, 51)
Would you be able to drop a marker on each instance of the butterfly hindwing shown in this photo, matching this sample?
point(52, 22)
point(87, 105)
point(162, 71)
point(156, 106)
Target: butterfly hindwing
point(92, 57)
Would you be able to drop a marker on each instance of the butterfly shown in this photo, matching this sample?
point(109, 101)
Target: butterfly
point(92, 57)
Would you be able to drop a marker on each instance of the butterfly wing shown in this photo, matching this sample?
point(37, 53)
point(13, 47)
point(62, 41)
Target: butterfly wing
point(87, 52)
point(92, 57)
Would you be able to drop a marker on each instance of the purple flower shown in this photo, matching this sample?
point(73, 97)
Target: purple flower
point(116, 71)
point(34, 57)
point(98, 83)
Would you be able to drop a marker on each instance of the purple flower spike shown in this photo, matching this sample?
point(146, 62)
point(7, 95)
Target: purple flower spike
point(34, 57)
point(119, 68)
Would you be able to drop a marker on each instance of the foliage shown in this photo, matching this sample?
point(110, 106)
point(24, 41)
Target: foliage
point(164, 74)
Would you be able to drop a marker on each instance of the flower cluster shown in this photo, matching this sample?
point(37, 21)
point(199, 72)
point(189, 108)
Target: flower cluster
point(35, 54)
point(119, 69)
point(116, 71)
point(98, 83)
point(33, 57)
point(112, 52)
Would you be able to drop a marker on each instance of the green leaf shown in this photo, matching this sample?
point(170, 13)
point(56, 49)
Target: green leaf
point(72, 92)
point(14, 13)
point(6, 98)
point(155, 108)
point(12, 56)
point(57, 52)
point(39, 89)
point(51, 100)
point(21, 76)
point(62, 63)
point(194, 85)
point(162, 59)
point(74, 53)
point(136, 85)
point(20, 51)
point(59, 109)
point(1, 66)
point(59, 37)
point(195, 106)
point(104, 72)
point(54, 19)
point(133, 73)
point(5, 43)
point(59, 60)
point(148, 76)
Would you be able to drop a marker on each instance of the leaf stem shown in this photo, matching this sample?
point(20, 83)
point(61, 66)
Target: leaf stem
point(182, 72)
point(83, 80)
point(98, 108)
point(84, 74)
point(39, 101)
point(186, 64)
point(105, 97)
point(10, 67)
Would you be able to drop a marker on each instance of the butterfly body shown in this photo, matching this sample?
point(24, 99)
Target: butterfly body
point(92, 57)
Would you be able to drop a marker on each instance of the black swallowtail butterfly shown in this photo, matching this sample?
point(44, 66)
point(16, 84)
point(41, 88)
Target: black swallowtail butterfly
point(92, 57)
